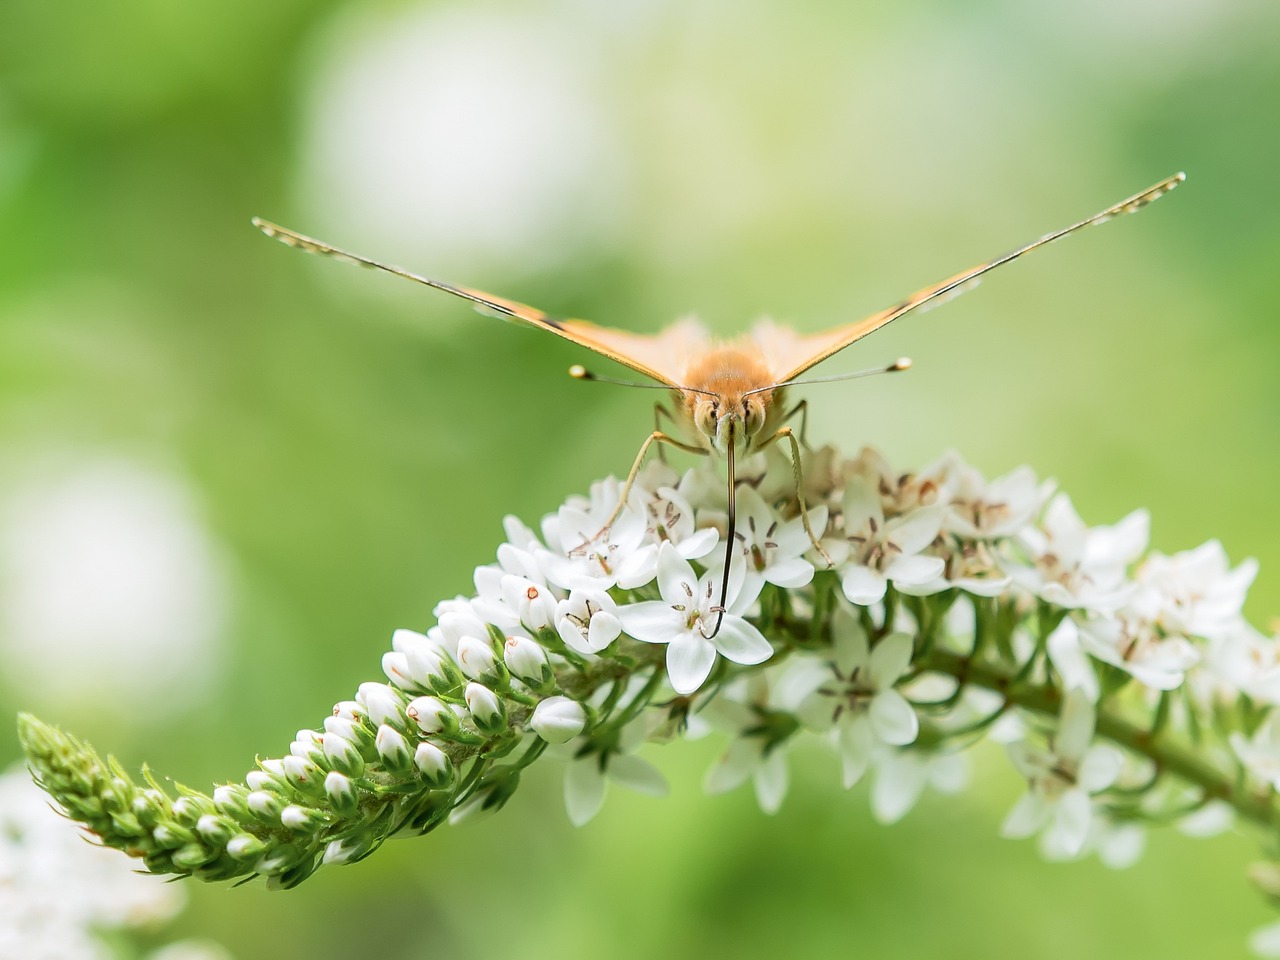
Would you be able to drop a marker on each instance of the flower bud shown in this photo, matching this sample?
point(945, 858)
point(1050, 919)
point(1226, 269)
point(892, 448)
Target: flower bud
point(433, 669)
point(349, 709)
point(171, 836)
point(396, 667)
point(486, 708)
point(558, 719)
point(297, 817)
point(245, 846)
point(343, 755)
point(432, 716)
point(341, 792)
point(528, 661)
point(302, 773)
point(393, 748)
point(476, 658)
point(192, 855)
point(382, 704)
point(230, 799)
point(434, 765)
point(264, 805)
point(339, 727)
point(260, 780)
point(215, 829)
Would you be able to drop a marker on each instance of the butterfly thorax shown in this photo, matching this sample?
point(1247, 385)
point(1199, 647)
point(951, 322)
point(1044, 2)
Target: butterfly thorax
point(728, 396)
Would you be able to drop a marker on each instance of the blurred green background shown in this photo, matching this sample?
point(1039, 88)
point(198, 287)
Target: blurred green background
point(228, 470)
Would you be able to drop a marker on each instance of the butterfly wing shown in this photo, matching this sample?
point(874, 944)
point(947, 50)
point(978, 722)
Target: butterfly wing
point(798, 353)
point(656, 357)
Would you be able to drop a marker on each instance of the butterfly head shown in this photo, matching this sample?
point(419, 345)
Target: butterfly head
point(727, 419)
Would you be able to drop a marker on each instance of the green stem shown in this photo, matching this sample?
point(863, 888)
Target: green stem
point(1169, 755)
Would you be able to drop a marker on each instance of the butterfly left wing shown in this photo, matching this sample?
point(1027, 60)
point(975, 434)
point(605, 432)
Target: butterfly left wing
point(644, 354)
point(804, 352)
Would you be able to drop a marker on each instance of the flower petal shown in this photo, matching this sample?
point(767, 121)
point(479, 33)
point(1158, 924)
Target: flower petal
point(689, 661)
point(583, 790)
point(652, 621)
point(741, 642)
point(890, 659)
point(899, 781)
point(676, 580)
point(854, 740)
point(893, 719)
point(772, 780)
point(916, 570)
point(862, 585)
point(636, 774)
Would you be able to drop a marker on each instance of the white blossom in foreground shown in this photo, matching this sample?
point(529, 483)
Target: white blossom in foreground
point(687, 617)
point(60, 894)
point(1128, 689)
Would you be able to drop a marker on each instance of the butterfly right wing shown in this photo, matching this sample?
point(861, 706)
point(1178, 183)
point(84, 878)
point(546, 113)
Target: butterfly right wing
point(651, 356)
point(803, 352)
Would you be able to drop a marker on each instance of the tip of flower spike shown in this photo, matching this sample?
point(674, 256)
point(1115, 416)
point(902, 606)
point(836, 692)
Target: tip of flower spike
point(37, 737)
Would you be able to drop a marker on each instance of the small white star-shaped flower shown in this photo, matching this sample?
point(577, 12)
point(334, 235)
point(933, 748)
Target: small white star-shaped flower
point(685, 616)
point(856, 698)
point(1061, 780)
point(880, 551)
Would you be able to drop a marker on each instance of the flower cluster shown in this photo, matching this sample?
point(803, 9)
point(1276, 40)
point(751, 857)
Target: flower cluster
point(926, 612)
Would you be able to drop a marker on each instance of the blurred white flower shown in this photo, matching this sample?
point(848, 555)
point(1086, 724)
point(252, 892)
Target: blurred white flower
point(1195, 592)
point(448, 134)
point(854, 696)
point(108, 582)
point(1061, 780)
point(901, 777)
point(1080, 567)
point(57, 891)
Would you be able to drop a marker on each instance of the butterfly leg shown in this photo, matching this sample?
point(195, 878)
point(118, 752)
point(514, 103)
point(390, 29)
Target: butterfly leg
point(798, 475)
point(801, 408)
point(659, 411)
point(656, 437)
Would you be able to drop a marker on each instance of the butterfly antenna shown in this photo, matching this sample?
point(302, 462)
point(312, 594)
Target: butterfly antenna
point(729, 541)
point(902, 363)
point(579, 372)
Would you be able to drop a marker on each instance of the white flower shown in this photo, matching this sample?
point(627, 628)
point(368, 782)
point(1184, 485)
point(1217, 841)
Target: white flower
point(903, 492)
point(1195, 592)
point(670, 520)
point(755, 759)
point(1138, 647)
point(759, 712)
point(857, 699)
point(902, 775)
point(583, 551)
point(995, 510)
point(588, 620)
point(595, 763)
point(1060, 781)
point(880, 551)
point(1075, 566)
point(1067, 655)
point(771, 549)
point(1248, 661)
point(59, 892)
point(688, 611)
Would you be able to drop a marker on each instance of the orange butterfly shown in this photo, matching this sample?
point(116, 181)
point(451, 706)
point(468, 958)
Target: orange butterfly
point(729, 393)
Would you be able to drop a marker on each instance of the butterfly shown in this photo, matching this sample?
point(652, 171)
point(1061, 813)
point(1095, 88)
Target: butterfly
point(729, 394)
